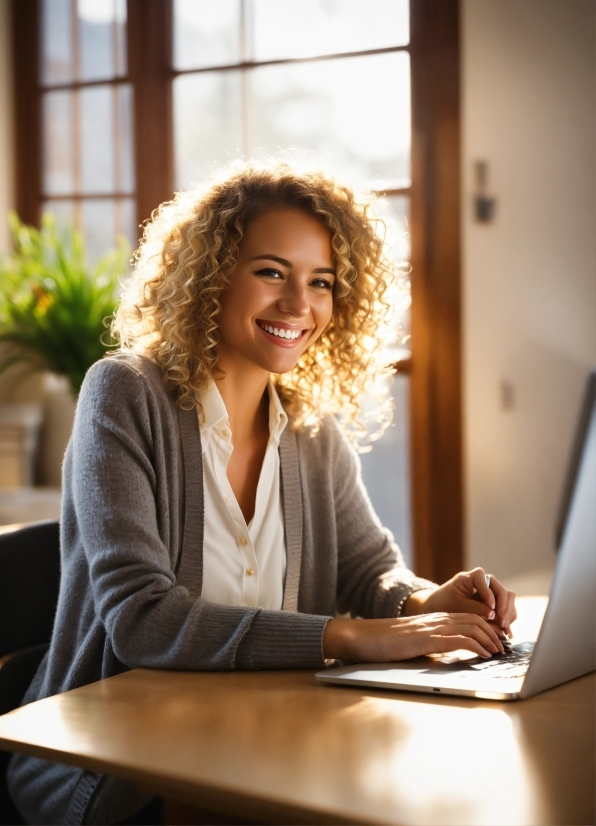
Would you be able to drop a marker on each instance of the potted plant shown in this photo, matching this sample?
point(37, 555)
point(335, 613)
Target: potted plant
point(54, 307)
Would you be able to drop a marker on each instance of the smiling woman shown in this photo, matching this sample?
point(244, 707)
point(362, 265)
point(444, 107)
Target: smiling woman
point(214, 516)
point(278, 303)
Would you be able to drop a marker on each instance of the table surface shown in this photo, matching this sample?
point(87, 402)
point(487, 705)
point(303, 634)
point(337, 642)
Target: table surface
point(278, 747)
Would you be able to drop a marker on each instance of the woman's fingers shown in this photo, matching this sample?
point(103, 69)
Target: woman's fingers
point(510, 613)
point(455, 643)
point(471, 605)
point(493, 595)
point(483, 587)
point(448, 632)
point(505, 605)
point(476, 628)
point(473, 592)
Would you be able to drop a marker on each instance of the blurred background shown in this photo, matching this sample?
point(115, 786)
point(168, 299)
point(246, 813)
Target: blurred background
point(473, 121)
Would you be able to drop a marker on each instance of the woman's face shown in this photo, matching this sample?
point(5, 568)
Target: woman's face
point(280, 296)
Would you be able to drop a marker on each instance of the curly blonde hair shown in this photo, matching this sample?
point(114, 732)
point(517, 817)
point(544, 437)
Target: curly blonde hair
point(170, 306)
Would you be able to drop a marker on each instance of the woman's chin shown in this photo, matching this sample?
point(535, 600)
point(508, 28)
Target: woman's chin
point(247, 362)
point(280, 365)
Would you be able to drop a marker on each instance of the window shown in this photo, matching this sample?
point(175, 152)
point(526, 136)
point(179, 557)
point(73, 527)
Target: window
point(86, 105)
point(182, 85)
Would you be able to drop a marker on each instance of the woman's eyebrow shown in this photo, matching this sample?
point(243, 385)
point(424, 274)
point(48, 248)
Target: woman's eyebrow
point(286, 263)
point(279, 260)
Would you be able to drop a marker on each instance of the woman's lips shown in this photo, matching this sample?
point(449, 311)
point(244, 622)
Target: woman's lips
point(284, 335)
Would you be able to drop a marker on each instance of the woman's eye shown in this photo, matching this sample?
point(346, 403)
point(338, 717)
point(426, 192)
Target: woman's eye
point(269, 271)
point(322, 283)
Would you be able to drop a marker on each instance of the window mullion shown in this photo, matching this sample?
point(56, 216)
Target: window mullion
point(150, 70)
point(27, 98)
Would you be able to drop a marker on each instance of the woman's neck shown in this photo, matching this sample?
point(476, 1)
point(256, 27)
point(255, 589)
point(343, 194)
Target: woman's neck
point(246, 402)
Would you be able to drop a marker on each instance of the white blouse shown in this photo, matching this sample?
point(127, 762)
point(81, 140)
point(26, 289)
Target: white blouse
point(243, 564)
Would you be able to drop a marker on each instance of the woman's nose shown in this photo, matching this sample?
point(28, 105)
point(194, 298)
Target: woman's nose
point(294, 300)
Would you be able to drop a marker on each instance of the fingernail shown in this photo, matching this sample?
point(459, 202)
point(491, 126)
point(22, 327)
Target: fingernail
point(491, 615)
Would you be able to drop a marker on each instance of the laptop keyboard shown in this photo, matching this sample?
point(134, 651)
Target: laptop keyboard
point(513, 662)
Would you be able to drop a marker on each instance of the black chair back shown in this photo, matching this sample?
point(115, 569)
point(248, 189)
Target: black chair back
point(29, 583)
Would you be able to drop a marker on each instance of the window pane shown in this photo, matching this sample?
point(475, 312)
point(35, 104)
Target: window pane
point(124, 145)
point(395, 212)
point(386, 471)
point(98, 225)
point(206, 33)
point(63, 212)
point(58, 160)
point(100, 220)
point(300, 28)
point(121, 67)
point(207, 123)
point(56, 42)
point(126, 221)
point(97, 139)
point(100, 30)
point(351, 113)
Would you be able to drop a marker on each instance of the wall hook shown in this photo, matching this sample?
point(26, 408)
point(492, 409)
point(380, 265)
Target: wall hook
point(484, 205)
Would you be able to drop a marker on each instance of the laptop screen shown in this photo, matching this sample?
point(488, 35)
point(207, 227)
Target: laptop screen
point(588, 409)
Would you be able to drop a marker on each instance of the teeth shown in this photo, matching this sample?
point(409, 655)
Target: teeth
point(292, 335)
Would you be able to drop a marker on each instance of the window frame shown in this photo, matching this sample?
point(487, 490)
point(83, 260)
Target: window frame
point(435, 367)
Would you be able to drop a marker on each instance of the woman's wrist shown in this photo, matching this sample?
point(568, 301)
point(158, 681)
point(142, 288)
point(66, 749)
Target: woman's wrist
point(336, 639)
point(416, 602)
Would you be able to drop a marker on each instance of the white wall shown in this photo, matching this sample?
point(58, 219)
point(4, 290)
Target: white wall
point(529, 95)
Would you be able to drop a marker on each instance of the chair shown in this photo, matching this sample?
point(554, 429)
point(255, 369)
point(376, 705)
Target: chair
point(29, 584)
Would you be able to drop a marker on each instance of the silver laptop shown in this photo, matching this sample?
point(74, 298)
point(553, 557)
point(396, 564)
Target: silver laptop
point(566, 644)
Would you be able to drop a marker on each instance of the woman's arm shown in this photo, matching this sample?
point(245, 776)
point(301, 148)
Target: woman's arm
point(465, 612)
point(373, 583)
point(389, 640)
point(372, 578)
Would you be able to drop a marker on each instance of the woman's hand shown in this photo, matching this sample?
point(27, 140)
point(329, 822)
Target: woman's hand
point(468, 592)
point(390, 640)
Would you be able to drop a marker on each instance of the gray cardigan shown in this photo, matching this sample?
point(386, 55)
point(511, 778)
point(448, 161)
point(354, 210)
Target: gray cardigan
point(132, 536)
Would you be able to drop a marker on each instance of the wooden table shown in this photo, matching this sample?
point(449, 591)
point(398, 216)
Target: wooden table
point(276, 747)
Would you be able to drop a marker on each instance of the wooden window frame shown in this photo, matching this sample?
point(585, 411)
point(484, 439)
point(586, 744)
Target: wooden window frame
point(435, 367)
point(436, 373)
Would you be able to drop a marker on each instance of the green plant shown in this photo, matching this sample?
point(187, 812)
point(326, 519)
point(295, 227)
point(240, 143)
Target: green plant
point(55, 308)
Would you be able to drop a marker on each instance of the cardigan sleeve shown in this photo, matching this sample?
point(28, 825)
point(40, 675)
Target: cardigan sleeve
point(373, 580)
point(123, 506)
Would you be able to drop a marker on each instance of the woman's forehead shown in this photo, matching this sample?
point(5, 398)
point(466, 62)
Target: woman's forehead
point(287, 228)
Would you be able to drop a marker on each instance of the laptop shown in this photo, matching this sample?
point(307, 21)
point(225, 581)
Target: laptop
point(566, 644)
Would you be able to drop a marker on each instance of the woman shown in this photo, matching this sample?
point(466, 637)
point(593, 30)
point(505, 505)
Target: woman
point(214, 515)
